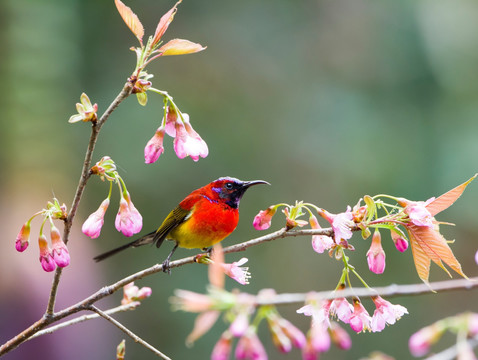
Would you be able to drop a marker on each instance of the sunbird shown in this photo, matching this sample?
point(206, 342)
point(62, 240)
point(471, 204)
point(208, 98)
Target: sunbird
point(205, 217)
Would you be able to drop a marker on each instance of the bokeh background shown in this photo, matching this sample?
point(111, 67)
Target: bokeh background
point(327, 100)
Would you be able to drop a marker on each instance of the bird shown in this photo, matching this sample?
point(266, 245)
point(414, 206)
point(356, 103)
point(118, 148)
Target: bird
point(205, 217)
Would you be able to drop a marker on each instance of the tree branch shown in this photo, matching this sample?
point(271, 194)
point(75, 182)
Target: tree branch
point(280, 299)
point(128, 332)
point(85, 174)
point(80, 319)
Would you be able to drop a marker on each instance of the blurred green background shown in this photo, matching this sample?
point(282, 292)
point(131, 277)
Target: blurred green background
point(328, 100)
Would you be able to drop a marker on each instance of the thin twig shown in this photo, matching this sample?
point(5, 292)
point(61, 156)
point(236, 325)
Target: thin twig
point(80, 319)
point(128, 332)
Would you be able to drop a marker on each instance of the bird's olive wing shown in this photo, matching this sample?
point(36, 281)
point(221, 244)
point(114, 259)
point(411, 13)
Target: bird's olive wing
point(175, 217)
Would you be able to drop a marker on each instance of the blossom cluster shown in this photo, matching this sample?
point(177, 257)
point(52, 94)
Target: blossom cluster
point(128, 219)
point(187, 142)
point(409, 222)
point(50, 256)
point(318, 338)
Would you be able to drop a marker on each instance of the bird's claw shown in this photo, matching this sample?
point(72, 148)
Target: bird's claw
point(166, 267)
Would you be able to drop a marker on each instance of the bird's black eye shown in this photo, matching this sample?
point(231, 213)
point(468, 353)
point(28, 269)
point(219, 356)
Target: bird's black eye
point(229, 186)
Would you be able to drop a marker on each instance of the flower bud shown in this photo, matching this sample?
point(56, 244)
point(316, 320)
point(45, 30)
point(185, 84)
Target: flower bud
point(376, 255)
point(46, 258)
point(262, 221)
point(23, 237)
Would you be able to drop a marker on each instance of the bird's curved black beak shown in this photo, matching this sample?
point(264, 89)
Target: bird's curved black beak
point(247, 184)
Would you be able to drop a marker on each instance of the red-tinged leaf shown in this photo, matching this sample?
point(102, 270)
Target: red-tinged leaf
point(447, 199)
point(180, 47)
point(435, 247)
point(164, 22)
point(420, 258)
point(131, 20)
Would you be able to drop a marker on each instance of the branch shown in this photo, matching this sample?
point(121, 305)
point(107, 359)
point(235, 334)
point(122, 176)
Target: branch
point(80, 319)
point(392, 290)
point(128, 332)
point(85, 174)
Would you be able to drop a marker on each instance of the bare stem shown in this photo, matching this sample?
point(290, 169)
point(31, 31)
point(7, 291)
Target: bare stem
point(128, 332)
point(80, 319)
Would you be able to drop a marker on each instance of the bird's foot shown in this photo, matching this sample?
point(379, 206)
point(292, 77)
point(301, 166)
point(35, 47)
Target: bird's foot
point(166, 267)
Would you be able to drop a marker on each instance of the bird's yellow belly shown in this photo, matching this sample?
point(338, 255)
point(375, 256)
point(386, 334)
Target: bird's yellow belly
point(205, 230)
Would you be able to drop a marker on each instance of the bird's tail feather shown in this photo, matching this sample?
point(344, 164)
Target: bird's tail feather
point(146, 239)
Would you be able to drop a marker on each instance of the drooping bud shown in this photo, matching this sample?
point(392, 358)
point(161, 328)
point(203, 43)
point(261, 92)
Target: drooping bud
point(154, 148)
point(23, 237)
point(46, 258)
point(128, 220)
point(376, 255)
point(262, 221)
point(400, 242)
point(320, 243)
point(92, 226)
point(222, 349)
point(59, 251)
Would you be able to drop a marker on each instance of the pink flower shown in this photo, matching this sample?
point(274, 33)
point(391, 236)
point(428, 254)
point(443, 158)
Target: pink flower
point(341, 308)
point(319, 337)
point(262, 221)
point(240, 324)
point(222, 349)
point(476, 258)
point(376, 255)
point(132, 293)
point(250, 347)
point(340, 337)
point(190, 301)
point(320, 243)
point(418, 213)
point(128, 220)
point(237, 272)
point(23, 237)
point(46, 258)
point(284, 333)
point(385, 313)
point(421, 341)
point(170, 123)
point(203, 323)
point(292, 332)
point(188, 142)
point(400, 243)
point(341, 223)
point(360, 319)
point(59, 252)
point(154, 148)
point(92, 226)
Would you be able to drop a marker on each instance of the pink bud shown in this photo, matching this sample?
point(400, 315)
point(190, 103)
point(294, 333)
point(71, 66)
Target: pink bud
point(128, 220)
point(240, 324)
point(340, 337)
point(92, 226)
point(154, 148)
point(59, 252)
point(376, 255)
point(262, 221)
point(222, 349)
point(23, 237)
point(46, 259)
point(400, 243)
point(187, 142)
